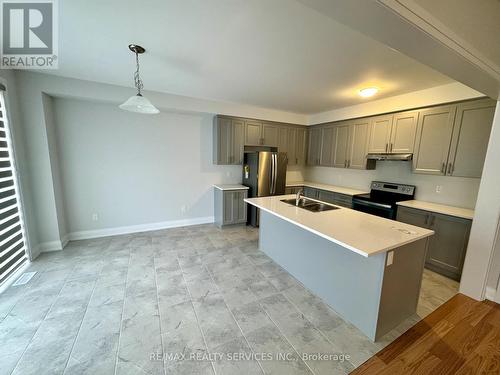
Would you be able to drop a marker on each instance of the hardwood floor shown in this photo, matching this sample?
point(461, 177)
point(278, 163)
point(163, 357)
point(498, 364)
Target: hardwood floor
point(460, 337)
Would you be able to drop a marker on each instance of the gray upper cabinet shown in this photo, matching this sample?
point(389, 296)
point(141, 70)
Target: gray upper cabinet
point(301, 143)
point(228, 140)
point(314, 149)
point(404, 128)
point(341, 139)
point(393, 133)
point(471, 133)
point(380, 134)
point(283, 140)
point(291, 145)
point(447, 140)
point(327, 146)
point(270, 135)
point(253, 133)
point(432, 144)
point(447, 247)
point(359, 132)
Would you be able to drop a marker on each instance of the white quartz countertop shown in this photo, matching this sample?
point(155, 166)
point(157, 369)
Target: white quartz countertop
point(357, 231)
point(335, 189)
point(230, 187)
point(464, 213)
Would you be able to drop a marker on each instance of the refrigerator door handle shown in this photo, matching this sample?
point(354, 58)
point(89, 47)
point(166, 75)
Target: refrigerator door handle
point(273, 174)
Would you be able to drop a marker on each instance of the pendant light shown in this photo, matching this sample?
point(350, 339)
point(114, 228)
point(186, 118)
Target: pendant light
point(138, 103)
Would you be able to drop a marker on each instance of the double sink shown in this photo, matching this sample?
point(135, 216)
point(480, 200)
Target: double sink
point(310, 205)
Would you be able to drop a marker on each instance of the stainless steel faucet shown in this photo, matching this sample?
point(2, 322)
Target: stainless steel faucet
point(299, 195)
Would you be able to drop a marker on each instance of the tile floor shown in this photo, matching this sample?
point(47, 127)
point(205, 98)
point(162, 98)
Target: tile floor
point(193, 300)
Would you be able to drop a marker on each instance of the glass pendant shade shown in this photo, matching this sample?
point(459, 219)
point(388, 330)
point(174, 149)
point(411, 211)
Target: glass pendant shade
point(139, 104)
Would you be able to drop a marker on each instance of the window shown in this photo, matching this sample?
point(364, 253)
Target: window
point(12, 240)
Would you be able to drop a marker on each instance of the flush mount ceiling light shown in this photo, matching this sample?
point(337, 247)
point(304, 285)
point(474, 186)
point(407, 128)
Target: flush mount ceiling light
point(138, 103)
point(367, 92)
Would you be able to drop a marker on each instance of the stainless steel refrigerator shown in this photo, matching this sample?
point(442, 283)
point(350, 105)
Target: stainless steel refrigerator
point(264, 173)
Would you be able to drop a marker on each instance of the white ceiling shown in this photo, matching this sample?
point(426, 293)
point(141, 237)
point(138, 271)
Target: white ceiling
point(277, 54)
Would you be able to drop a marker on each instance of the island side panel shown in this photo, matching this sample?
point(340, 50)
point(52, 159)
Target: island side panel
point(401, 286)
point(350, 283)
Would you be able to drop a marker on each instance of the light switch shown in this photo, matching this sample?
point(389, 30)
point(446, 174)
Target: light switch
point(390, 258)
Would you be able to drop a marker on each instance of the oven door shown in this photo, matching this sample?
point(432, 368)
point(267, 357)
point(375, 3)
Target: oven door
point(378, 209)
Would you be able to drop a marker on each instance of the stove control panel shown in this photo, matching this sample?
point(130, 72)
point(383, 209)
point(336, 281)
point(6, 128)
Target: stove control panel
point(393, 188)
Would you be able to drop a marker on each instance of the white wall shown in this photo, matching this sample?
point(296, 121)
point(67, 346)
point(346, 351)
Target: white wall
point(132, 169)
point(455, 191)
point(480, 251)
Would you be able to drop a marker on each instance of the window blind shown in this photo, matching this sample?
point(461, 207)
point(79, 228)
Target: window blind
point(12, 241)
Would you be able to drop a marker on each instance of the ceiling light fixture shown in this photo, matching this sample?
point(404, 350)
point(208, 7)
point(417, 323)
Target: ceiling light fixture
point(367, 92)
point(138, 103)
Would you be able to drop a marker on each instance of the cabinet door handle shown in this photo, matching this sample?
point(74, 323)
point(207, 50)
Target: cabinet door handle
point(427, 217)
point(449, 168)
point(386, 146)
point(390, 149)
point(348, 163)
point(443, 168)
point(433, 219)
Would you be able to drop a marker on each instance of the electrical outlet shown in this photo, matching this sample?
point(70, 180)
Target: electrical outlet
point(95, 217)
point(438, 188)
point(390, 258)
point(184, 209)
point(229, 174)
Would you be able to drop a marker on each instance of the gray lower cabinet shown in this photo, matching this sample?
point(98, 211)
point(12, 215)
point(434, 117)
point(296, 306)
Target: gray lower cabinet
point(335, 198)
point(447, 247)
point(230, 207)
point(329, 196)
point(310, 192)
point(293, 189)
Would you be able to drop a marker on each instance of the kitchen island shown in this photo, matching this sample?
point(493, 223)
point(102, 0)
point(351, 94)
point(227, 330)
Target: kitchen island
point(367, 268)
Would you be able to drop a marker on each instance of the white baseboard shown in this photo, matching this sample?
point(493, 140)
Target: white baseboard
point(64, 240)
point(490, 293)
point(46, 247)
point(88, 234)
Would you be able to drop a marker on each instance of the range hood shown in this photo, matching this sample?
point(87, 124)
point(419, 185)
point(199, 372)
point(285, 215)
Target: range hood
point(402, 157)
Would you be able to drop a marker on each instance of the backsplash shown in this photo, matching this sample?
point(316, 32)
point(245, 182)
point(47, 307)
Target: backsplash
point(455, 191)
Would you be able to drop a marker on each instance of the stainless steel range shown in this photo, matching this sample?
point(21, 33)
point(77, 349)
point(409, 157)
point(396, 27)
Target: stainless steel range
point(382, 199)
